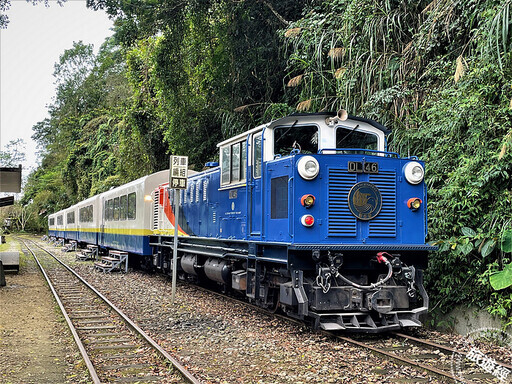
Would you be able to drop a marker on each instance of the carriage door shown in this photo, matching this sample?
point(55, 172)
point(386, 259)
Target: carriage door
point(255, 186)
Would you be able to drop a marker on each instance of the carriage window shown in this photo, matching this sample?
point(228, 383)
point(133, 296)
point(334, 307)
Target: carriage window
point(286, 139)
point(225, 163)
point(70, 218)
point(110, 209)
point(60, 220)
point(132, 201)
point(52, 221)
point(352, 138)
point(123, 207)
point(116, 208)
point(257, 156)
point(85, 214)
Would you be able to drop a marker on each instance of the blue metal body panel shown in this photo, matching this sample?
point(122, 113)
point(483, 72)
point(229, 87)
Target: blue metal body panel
point(243, 212)
point(396, 224)
point(130, 243)
point(71, 235)
point(88, 237)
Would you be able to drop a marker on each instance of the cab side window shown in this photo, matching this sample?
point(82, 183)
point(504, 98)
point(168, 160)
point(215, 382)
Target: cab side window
point(233, 159)
point(257, 152)
point(225, 165)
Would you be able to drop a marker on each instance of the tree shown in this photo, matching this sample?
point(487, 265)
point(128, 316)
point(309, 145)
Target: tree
point(21, 214)
point(6, 4)
point(14, 153)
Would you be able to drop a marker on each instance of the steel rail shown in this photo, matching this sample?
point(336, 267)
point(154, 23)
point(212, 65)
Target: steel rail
point(350, 340)
point(186, 374)
point(410, 362)
point(440, 346)
point(80, 345)
point(347, 339)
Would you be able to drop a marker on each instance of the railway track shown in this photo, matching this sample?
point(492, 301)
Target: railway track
point(419, 353)
point(113, 347)
point(424, 355)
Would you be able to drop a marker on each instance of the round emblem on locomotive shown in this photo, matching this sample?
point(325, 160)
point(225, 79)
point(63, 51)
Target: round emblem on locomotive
point(364, 200)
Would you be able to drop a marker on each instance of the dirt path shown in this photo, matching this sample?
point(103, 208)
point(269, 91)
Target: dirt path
point(35, 344)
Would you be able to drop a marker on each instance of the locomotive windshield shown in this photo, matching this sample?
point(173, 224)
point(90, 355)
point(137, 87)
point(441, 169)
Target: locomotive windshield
point(303, 138)
point(352, 138)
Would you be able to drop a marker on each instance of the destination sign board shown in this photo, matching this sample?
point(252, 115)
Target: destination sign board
point(178, 169)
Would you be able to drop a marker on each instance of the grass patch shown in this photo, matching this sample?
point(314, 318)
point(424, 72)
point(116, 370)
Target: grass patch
point(10, 245)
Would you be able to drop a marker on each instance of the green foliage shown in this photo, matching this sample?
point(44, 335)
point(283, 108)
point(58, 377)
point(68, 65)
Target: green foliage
point(14, 153)
point(177, 77)
point(167, 82)
point(506, 241)
point(503, 279)
point(439, 74)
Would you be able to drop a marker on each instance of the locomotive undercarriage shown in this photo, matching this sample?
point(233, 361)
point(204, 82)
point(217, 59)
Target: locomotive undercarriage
point(362, 293)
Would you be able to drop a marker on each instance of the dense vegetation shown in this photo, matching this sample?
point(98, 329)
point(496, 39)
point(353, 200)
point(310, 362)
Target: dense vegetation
point(177, 77)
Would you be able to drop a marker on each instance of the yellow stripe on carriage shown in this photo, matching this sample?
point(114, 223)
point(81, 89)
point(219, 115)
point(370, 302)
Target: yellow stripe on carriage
point(127, 231)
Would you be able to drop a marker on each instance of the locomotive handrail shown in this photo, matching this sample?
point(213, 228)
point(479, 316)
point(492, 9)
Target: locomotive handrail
point(388, 154)
point(291, 217)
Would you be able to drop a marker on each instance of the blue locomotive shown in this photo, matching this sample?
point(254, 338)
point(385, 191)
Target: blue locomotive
point(310, 214)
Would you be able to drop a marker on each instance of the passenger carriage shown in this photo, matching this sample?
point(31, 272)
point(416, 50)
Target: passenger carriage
point(125, 223)
point(70, 218)
point(52, 225)
point(88, 216)
point(118, 219)
point(60, 227)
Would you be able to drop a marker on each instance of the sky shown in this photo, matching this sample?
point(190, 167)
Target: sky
point(32, 43)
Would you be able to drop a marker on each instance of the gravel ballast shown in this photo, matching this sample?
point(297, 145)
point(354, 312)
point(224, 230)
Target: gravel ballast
point(221, 341)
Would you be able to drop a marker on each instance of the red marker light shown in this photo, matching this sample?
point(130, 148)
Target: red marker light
point(307, 220)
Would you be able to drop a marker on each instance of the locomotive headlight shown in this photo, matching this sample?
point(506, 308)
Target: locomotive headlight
point(414, 203)
point(414, 172)
point(307, 201)
point(308, 167)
